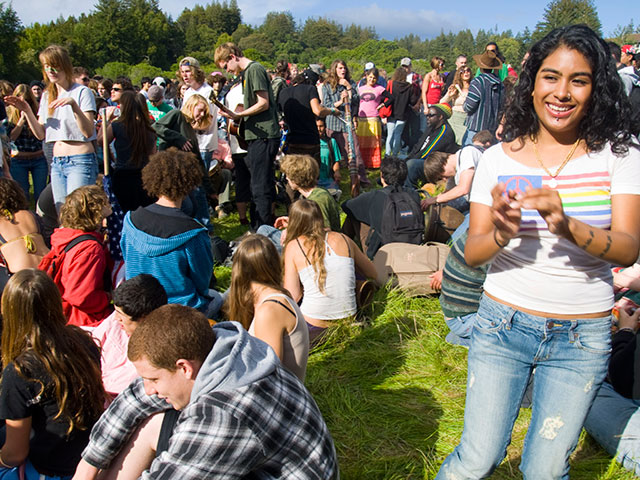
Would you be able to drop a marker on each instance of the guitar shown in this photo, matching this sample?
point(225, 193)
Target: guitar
point(235, 128)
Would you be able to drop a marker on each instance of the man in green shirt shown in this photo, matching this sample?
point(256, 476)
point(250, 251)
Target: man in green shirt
point(259, 125)
point(155, 103)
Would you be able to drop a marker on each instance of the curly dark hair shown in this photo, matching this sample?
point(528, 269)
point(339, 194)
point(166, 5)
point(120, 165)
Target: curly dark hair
point(608, 116)
point(12, 198)
point(171, 173)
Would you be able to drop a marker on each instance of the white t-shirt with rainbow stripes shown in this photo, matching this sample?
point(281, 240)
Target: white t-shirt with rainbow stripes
point(539, 270)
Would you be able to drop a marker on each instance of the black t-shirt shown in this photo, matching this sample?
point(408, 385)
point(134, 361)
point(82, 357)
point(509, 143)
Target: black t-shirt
point(295, 103)
point(51, 451)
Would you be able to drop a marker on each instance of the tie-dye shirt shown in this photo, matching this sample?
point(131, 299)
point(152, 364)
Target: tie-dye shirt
point(539, 270)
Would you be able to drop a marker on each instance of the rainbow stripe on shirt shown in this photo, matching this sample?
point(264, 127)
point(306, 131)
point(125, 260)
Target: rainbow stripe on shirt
point(585, 197)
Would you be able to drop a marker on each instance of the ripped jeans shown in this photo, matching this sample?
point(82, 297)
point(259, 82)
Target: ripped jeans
point(570, 357)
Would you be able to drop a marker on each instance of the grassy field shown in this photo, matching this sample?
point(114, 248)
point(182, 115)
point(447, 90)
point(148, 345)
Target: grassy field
point(393, 392)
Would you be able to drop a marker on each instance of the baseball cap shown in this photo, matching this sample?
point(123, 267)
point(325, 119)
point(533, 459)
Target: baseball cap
point(405, 62)
point(190, 62)
point(627, 49)
point(155, 93)
point(160, 81)
point(369, 65)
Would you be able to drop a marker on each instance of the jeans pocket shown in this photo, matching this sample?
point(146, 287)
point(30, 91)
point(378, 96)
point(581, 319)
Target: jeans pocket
point(597, 341)
point(489, 325)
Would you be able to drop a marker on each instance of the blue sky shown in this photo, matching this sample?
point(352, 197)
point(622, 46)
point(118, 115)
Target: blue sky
point(410, 16)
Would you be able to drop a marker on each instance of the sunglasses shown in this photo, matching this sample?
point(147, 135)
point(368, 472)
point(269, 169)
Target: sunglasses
point(116, 89)
point(85, 79)
point(430, 115)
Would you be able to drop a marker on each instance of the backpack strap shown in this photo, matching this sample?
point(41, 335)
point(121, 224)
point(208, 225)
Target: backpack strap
point(79, 239)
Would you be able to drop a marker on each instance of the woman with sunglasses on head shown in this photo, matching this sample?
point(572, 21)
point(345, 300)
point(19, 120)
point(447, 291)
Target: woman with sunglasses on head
point(551, 208)
point(66, 116)
point(455, 96)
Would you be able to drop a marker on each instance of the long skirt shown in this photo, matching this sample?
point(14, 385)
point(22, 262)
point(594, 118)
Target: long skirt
point(369, 134)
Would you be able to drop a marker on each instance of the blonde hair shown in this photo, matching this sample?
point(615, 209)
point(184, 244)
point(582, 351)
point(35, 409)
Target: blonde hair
point(57, 57)
point(301, 169)
point(24, 91)
point(82, 208)
point(224, 52)
point(306, 221)
point(189, 106)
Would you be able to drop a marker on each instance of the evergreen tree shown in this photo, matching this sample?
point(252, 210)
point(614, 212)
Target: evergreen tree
point(10, 29)
point(560, 13)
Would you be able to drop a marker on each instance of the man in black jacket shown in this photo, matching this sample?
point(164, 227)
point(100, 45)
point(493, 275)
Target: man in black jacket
point(438, 137)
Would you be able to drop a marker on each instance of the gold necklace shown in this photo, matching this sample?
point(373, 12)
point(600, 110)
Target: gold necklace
point(553, 183)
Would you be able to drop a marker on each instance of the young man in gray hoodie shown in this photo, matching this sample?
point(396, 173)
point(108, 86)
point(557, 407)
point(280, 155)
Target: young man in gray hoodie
point(239, 413)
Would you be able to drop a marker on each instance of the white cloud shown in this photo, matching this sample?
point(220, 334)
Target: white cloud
point(254, 11)
point(44, 11)
point(391, 23)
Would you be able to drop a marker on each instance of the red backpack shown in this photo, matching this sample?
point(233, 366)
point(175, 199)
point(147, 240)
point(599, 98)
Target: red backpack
point(52, 261)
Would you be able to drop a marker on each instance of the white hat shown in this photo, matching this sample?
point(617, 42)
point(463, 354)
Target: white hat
point(405, 62)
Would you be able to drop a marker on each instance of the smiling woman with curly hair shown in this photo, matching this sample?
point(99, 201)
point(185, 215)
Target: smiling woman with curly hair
point(163, 241)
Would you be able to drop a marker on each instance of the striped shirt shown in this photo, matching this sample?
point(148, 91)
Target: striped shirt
point(483, 102)
point(539, 270)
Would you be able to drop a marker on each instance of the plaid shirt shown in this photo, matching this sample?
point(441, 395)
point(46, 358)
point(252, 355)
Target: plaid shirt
point(269, 429)
point(26, 141)
point(330, 97)
point(483, 102)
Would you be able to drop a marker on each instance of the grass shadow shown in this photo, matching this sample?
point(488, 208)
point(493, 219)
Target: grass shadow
point(384, 423)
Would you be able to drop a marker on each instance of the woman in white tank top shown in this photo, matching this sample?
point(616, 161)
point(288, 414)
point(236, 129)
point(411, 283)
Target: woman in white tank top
point(320, 268)
point(258, 301)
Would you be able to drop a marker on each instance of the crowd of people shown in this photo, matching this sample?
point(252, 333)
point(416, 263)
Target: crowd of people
point(121, 358)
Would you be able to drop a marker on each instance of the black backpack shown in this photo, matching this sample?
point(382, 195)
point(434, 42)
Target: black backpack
point(402, 219)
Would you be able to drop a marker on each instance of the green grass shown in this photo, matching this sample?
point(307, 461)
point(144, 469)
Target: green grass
point(393, 392)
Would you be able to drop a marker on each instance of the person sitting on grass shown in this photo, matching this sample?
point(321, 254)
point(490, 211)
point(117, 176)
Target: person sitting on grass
point(51, 391)
point(164, 241)
point(133, 300)
point(460, 167)
point(84, 279)
point(302, 176)
point(320, 268)
point(240, 413)
point(21, 242)
point(364, 212)
point(258, 301)
point(614, 417)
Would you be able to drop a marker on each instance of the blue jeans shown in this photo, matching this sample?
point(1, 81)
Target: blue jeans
point(570, 357)
point(70, 172)
point(467, 138)
point(273, 234)
point(461, 328)
point(20, 169)
point(394, 137)
point(614, 421)
point(415, 173)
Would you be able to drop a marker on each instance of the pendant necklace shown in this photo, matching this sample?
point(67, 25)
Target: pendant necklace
point(553, 183)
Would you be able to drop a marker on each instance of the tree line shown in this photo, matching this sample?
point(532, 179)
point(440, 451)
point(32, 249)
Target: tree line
point(136, 38)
